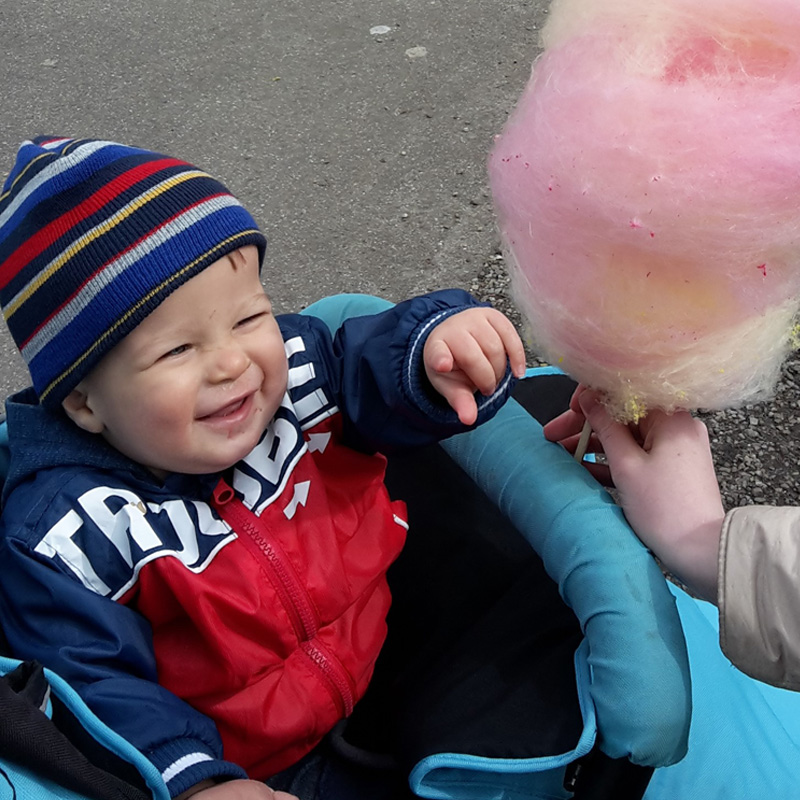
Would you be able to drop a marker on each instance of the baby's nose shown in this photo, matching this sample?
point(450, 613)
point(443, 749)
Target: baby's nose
point(228, 363)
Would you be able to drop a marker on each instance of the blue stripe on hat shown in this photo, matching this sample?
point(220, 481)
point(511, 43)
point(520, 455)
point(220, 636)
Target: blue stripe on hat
point(53, 174)
point(73, 258)
point(49, 208)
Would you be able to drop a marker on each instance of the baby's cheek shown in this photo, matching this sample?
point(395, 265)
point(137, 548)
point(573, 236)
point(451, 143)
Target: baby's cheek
point(171, 409)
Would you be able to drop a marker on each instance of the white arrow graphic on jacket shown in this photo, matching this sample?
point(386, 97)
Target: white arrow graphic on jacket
point(299, 499)
point(318, 441)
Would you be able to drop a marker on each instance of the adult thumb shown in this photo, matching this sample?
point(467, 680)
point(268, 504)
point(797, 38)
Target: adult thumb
point(615, 438)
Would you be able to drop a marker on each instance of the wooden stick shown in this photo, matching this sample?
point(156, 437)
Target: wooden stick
point(583, 442)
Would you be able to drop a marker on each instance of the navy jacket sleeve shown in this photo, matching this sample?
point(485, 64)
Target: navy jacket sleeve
point(104, 650)
point(377, 372)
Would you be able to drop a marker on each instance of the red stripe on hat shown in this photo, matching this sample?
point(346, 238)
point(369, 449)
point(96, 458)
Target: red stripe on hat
point(104, 266)
point(42, 239)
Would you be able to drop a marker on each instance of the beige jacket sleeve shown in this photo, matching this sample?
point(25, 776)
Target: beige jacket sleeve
point(759, 593)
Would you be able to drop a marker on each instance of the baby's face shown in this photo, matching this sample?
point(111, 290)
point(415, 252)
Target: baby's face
point(193, 387)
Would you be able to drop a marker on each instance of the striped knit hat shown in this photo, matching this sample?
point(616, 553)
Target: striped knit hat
point(93, 237)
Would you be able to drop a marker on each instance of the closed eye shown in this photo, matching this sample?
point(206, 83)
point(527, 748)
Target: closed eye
point(252, 318)
point(176, 351)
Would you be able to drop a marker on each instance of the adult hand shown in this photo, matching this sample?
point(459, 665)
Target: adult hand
point(663, 471)
point(566, 429)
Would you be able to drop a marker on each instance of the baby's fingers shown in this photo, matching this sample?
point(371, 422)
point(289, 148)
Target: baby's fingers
point(512, 345)
point(463, 357)
point(438, 356)
point(462, 401)
point(481, 363)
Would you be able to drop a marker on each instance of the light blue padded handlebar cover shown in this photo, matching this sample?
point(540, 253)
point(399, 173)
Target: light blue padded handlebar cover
point(637, 654)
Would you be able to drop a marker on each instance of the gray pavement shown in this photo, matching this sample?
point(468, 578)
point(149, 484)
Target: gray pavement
point(361, 154)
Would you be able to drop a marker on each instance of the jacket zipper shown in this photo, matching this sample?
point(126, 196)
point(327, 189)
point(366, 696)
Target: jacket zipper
point(293, 594)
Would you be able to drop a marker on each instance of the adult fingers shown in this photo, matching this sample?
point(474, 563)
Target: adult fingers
point(617, 440)
point(567, 424)
point(677, 431)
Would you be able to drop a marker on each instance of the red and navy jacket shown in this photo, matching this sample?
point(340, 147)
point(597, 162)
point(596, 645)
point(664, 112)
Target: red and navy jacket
point(240, 612)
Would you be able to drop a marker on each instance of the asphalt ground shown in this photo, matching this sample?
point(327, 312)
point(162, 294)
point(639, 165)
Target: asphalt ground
point(356, 131)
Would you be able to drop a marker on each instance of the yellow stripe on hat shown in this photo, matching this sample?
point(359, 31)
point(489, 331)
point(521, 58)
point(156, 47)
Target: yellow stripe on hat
point(69, 144)
point(92, 235)
point(19, 177)
point(149, 296)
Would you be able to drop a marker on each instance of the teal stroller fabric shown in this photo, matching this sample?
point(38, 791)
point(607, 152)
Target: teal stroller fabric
point(744, 741)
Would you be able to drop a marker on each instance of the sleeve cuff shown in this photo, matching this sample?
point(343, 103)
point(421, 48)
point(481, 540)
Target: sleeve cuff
point(186, 762)
point(420, 392)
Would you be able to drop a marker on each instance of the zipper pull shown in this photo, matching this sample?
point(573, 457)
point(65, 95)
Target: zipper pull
point(223, 494)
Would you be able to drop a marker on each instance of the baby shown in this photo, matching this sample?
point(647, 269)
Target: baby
point(195, 529)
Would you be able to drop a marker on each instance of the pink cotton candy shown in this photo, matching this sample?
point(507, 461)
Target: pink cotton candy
point(647, 188)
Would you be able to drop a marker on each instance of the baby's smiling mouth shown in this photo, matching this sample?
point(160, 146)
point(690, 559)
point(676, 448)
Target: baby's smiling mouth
point(226, 411)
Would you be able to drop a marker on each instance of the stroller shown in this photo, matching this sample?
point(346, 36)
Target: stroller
point(575, 669)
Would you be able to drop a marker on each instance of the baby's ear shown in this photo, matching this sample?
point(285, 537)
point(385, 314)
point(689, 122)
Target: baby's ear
point(76, 407)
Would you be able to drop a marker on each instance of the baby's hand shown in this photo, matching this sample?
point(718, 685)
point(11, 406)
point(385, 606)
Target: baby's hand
point(234, 790)
point(468, 352)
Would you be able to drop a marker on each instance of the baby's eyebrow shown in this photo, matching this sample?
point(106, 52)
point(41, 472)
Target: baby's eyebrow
point(259, 297)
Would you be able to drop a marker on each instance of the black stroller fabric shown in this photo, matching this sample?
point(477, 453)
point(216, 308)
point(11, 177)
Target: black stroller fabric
point(58, 749)
point(480, 653)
